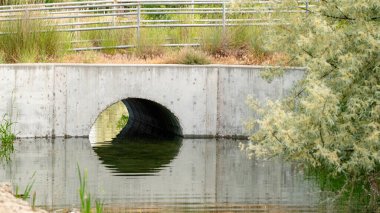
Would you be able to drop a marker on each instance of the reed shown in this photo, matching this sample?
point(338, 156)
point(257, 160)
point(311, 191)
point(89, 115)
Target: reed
point(26, 194)
point(85, 196)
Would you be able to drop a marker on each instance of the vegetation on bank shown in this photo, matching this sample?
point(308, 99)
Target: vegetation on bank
point(27, 41)
point(7, 138)
point(31, 40)
point(331, 121)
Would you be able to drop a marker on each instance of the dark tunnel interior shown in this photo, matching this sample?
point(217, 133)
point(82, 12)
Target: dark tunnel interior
point(149, 119)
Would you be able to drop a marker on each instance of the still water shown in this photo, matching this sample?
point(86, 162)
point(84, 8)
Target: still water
point(195, 174)
point(158, 176)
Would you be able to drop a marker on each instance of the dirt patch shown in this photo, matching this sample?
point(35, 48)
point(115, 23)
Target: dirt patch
point(9, 203)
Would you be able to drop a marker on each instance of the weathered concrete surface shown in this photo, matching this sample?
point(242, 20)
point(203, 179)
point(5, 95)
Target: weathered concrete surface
point(65, 99)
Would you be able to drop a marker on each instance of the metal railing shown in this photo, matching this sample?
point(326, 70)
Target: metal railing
point(76, 17)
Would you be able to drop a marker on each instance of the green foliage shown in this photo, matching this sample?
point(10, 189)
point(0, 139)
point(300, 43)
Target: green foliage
point(99, 205)
point(331, 119)
point(7, 138)
point(122, 121)
point(351, 197)
point(84, 198)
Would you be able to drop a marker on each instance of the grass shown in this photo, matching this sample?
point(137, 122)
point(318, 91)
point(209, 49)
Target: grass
point(7, 138)
point(26, 194)
point(85, 196)
point(148, 44)
point(30, 41)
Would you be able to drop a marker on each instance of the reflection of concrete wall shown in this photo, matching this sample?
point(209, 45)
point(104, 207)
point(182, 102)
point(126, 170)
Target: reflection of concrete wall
point(61, 100)
point(204, 171)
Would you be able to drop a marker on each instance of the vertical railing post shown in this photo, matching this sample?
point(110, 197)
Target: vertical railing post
point(115, 12)
point(138, 23)
point(192, 10)
point(307, 6)
point(76, 21)
point(224, 17)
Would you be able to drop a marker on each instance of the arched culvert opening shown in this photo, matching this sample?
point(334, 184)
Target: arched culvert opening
point(149, 119)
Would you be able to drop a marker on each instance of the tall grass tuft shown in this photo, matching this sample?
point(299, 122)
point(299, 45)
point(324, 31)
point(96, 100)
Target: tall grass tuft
point(7, 138)
point(214, 42)
point(236, 41)
point(149, 43)
point(190, 56)
point(26, 40)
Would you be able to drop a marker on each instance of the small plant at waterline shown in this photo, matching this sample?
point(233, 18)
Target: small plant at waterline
point(7, 138)
point(26, 194)
point(85, 197)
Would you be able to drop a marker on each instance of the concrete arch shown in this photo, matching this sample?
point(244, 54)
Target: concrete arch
point(65, 99)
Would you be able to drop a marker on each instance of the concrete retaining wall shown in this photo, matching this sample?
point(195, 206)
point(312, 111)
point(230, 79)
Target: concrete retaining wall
point(65, 99)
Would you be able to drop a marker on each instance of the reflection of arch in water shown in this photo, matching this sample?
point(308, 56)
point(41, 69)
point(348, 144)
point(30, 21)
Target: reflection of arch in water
point(149, 119)
point(134, 156)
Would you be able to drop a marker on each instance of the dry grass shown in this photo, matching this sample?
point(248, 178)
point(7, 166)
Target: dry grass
point(170, 57)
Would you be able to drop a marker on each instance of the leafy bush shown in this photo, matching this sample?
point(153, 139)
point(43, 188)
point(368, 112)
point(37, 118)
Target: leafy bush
point(332, 119)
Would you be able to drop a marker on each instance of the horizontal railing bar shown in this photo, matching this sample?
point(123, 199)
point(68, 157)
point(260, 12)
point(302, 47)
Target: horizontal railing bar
point(167, 26)
point(160, 21)
point(151, 13)
point(111, 4)
point(131, 46)
point(68, 17)
point(63, 4)
point(97, 28)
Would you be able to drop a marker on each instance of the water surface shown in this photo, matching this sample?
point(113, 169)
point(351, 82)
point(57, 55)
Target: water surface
point(159, 175)
point(197, 174)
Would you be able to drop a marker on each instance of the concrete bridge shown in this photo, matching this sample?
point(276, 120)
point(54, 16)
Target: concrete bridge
point(53, 100)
